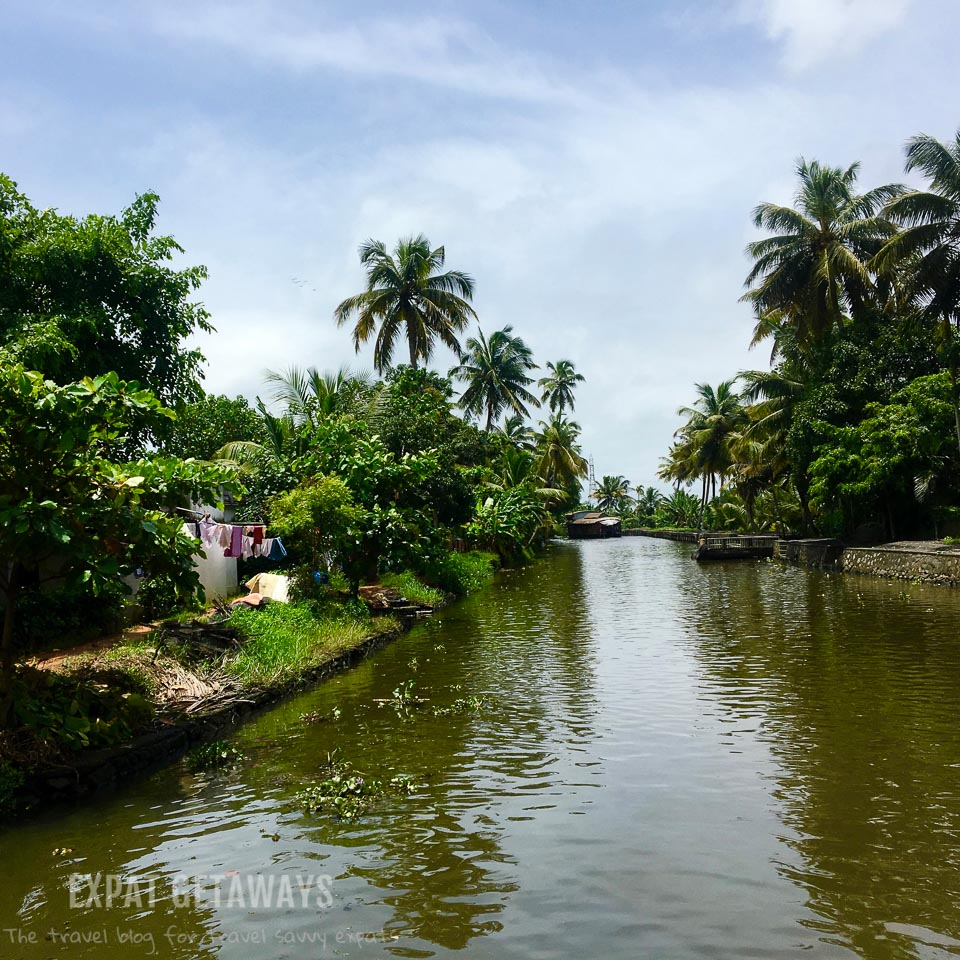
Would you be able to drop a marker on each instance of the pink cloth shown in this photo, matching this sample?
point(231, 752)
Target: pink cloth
point(236, 542)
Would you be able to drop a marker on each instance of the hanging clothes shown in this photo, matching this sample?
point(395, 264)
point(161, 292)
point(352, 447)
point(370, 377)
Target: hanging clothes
point(209, 532)
point(257, 536)
point(236, 542)
point(246, 547)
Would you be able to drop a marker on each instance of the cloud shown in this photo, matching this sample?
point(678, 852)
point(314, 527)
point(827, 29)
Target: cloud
point(441, 51)
point(814, 30)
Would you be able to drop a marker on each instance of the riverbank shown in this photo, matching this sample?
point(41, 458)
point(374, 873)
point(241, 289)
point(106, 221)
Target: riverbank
point(926, 561)
point(104, 716)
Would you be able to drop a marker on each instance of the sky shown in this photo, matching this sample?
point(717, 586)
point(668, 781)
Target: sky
point(592, 165)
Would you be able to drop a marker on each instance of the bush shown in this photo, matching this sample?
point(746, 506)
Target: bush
point(75, 712)
point(74, 613)
point(11, 780)
point(462, 573)
point(408, 586)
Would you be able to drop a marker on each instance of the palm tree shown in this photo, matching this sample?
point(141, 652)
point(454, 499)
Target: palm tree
point(407, 295)
point(813, 269)
point(558, 458)
point(559, 384)
point(647, 501)
point(927, 250)
point(307, 393)
point(612, 495)
point(518, 432)
point(713, 422)
point(495, 371)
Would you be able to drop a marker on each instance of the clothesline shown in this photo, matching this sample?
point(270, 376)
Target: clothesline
point(244, 540)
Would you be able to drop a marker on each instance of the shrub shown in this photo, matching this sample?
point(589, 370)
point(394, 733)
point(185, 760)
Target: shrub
point(462, 573)
point(11, 780)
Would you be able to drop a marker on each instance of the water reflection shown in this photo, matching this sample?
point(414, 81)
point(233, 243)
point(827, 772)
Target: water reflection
point(854, 686)
point(679, 761)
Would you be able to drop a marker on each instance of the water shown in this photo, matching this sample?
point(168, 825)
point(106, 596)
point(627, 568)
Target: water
point(732, 760)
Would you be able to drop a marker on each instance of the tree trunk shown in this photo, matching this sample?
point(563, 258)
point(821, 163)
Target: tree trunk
point(413, 353)
point(489, 419)
point(776, 509)
point(6, 644)
point(955, 393)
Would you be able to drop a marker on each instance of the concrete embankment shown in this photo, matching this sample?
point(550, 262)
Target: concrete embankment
point(680, 536)
point(929, 561)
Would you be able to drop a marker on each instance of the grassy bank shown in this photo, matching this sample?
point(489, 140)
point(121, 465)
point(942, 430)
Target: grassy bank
point(187, 672)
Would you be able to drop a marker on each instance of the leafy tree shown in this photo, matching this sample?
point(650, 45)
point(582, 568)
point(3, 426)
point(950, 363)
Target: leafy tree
point(558, 386)
point(317, 518)
point(925, 254)
point(82, 297)
point(813, 269)
point(518, 432)
point(202, 428)
point(495, 371)
point(511, 522)
point(886, 460)
point(67, 512)
point(407, 296)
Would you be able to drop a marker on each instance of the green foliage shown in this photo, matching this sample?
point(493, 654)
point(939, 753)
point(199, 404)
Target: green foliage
point(71, 713)
point(319, 517)
point(409, 586)
point(884, 455)
point(84, 297)
point(213, 756)
point(511, 523)
point(203, 427)
point(11, 780)
point(346, 794)
point(495, 373)
point(462, 573)
point(62, 502)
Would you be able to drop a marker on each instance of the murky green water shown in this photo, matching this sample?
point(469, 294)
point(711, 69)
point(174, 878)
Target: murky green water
point(675, 761)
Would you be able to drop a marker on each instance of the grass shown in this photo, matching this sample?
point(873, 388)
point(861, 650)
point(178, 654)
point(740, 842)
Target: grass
point(283, 641)
point(407, 585)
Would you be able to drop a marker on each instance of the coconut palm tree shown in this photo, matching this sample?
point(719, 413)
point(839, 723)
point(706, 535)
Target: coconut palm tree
point(495, 372)
point(612, 495)
point(813, 269)
point(926, 252)
point(558, 458)
point(518, 432)
point(713, 423)
point(559, 384)
point(408, 297)
point(647, 501)
point(307, 393)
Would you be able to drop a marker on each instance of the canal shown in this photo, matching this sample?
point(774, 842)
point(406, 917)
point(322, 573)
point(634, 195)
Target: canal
point(670, 760)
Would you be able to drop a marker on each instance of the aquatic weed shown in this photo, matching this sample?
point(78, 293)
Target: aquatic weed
point(213, 756)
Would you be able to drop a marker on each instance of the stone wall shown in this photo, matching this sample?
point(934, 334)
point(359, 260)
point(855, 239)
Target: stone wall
point(928, 561)
point(903, 564)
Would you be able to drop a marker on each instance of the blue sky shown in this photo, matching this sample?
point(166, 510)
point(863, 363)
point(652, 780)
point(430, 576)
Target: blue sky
point(593, 165)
